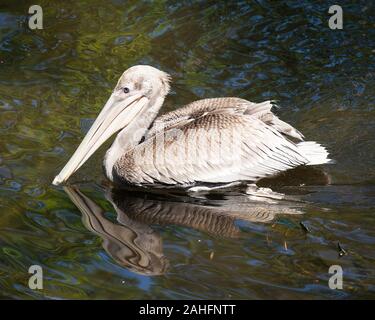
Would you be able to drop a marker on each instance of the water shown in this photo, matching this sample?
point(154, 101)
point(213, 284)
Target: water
point(53, 80)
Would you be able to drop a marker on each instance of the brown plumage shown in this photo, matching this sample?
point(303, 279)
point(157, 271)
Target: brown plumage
point(217, 125)
point(211, 141)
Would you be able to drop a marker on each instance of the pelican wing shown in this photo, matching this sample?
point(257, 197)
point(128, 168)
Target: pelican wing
point(213, 145)
point(231, 105)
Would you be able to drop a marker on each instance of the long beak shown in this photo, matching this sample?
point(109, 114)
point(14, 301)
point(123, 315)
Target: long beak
point(116, 114)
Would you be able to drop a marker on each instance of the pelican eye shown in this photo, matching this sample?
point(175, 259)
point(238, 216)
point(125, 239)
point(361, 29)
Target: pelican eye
point(126, 90)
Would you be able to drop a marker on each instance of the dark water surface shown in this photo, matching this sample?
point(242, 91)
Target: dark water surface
point(129, 246)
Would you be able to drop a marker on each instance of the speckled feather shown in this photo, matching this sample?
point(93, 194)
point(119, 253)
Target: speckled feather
point(209, 123)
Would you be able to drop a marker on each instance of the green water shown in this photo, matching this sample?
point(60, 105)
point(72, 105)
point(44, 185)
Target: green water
point(53, 80)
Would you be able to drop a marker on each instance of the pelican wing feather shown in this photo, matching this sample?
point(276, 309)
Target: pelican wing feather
point(214, 141)
point(231, 105)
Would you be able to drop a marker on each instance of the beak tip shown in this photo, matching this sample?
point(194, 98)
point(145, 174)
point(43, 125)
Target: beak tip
point(57, 181)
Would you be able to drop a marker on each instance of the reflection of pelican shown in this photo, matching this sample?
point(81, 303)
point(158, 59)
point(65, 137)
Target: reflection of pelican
point(135, 245)
point(212, 141)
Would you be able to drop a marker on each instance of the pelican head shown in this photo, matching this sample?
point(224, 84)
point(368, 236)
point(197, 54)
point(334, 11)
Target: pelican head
point(139, 89)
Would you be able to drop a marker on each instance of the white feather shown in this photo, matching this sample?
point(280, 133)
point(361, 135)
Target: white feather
point(314, 153)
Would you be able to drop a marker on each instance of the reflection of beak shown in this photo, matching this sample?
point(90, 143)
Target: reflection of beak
point(115, 115)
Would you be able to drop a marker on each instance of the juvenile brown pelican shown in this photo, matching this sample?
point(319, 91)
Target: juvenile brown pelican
point(219, 141)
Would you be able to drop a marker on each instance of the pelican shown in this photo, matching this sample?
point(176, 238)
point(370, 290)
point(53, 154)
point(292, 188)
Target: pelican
point(207, 144)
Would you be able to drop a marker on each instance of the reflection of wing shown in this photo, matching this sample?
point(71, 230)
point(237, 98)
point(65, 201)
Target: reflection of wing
point(183, 214)
point(213, 141)
point(134, 245)
point(216, 217)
